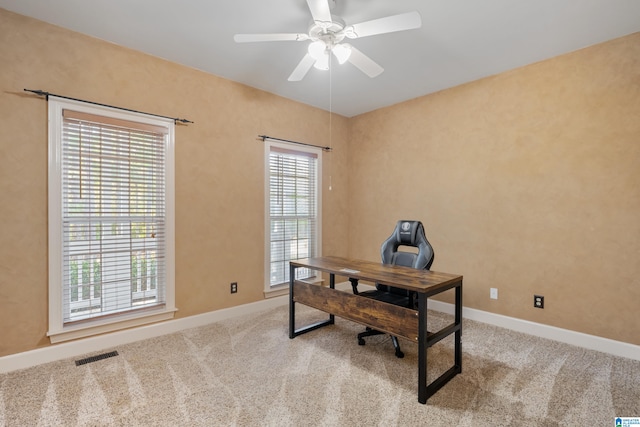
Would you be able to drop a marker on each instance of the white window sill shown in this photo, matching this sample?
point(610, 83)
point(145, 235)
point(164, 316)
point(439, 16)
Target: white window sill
point(111, 325)
point(277, 291)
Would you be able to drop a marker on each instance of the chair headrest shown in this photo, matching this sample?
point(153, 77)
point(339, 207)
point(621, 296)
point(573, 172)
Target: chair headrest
point(408, 233)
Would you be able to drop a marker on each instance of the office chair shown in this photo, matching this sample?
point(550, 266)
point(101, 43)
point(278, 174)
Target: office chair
point(406, 233)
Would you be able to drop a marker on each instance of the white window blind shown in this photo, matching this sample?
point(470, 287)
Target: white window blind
point(293, 210)
point(111, 219)
point(113, 215)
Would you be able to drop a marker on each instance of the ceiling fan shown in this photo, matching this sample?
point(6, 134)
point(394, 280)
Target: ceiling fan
point(326, 34)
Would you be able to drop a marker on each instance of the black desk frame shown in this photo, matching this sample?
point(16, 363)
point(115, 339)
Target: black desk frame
point(425, 339)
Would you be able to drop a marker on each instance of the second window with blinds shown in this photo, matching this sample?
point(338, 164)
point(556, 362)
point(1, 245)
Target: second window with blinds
point(293, 219)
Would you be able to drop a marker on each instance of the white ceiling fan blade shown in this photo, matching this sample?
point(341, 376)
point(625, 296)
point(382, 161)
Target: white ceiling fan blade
point(248, 38)
point(389, 24)
point(302, 68)
point(320, 10)
point(364, 63)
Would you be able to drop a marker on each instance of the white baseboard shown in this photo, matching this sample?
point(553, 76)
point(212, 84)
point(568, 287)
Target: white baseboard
point(71, 349)
point(591, 342)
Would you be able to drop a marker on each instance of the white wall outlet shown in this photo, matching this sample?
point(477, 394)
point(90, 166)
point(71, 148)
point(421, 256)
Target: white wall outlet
point(493, 293)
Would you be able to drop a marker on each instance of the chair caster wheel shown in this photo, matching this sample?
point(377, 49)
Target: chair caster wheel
point(399, 354)
point(360, 341)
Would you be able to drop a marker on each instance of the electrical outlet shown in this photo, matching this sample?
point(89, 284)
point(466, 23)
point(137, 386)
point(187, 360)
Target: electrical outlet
point(234, 287)
point(538, 301)
point(493, 293)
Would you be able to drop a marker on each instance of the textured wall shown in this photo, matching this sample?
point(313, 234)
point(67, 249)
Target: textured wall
point(219, 167)
point(528, 181)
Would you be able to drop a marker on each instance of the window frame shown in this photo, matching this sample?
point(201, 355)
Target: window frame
point(303, 150)
point(58, 331)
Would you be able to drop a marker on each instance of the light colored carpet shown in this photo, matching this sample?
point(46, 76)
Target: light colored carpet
point(247, 372)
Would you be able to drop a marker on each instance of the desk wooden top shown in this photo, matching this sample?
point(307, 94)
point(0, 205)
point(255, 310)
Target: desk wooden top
point(423, 281)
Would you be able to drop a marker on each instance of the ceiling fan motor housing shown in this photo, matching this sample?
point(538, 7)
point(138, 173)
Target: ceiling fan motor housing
point(331, 33)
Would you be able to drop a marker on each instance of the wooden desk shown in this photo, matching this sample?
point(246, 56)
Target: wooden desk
point(392, 319)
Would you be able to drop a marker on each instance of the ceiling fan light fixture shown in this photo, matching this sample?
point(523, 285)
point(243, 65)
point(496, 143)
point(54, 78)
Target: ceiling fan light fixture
point(342, 53)
point(322, 63)
point(317, 49)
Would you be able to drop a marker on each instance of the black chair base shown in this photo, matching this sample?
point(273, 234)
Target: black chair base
point(370, 332)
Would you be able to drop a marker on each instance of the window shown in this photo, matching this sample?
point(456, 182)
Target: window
point(292, 209)
point(111, 262)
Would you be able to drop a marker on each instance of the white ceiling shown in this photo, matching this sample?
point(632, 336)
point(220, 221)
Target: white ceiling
point(460, 40)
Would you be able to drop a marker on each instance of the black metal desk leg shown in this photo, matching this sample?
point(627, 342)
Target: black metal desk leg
point(293, 332)
point(332, 285)
point(292, 308)
point(458, 333)
point(422, 348)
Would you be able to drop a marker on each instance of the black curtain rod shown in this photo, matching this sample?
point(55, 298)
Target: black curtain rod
point(47, 94)
point(294, 142)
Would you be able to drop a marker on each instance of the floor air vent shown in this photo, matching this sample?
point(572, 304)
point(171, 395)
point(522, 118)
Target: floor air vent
point(96, 358)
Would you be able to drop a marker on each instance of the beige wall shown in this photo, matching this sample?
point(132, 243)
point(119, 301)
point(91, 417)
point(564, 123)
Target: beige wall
point(219, 167)
point(528, 181)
